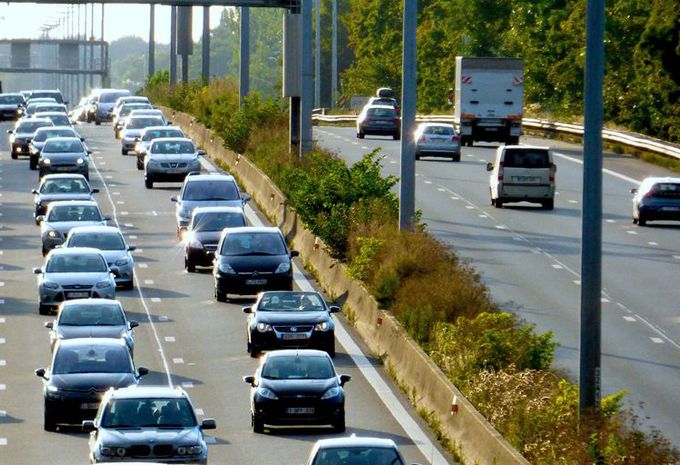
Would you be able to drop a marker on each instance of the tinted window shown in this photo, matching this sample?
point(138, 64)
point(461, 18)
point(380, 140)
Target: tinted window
point(31, 126)
point(291, 302)
point(140, 123)
point(87, 263)
point(148, 413)
point(357, 456)
point(128, 108)
point(293, 367)
point(64, 186)
point(90, 315)
point(666, 189)
point(211, 190)
point(92, 359)
point(439, 130)
point(58, 120)
point(74, 213)
point(382, 112)
point(526, 158)
point(253, 244)
point(217, 221)
point(10, 99)
point(63, 146)
point(157, 133)
point(173, 147)
point(101, 241)
point(41, 136)
point(111, 97)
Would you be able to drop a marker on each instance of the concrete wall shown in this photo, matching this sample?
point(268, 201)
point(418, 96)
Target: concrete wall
point(477, 440)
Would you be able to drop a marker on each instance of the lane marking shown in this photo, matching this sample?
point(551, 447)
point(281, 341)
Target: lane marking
point(3, 363)
point(120, 202)
point(178, 360)
point(631, 232)
point(3, 387)
point(143, 265)
point(148, 281)
point(187, 385)
point(169, 338)
point(3, 441)
point(427, 182)
point(652, 243)
point(604, 300)
point(155, 299)
point(139, 250)
point(163, 318)
point(199, 412)
point(2, 319)
point(610, 221)
point(604, 170)
point(629, 318)
point(657, 340)
point(577, 282)
point(132, 236)
point(556, 266)
point(2, 340)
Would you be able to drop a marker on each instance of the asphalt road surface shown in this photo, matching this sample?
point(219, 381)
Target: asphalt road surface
point(185, 337)
point(530, 258)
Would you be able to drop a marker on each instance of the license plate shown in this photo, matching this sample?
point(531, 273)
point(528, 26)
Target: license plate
point(532, 179)
point(173, 171)
point(300, 410)
point(256, 282)
point(62, 168)
point(77, 295)
point(89, 406)
point(293, 336)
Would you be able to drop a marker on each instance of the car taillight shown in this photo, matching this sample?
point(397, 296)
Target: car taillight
point(454, 139)
point(500, 171)
point(422, 139)
point(367, 120)
point(553, 168)
point(395, 120)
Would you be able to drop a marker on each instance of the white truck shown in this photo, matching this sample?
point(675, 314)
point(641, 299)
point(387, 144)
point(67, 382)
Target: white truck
point(489, 99)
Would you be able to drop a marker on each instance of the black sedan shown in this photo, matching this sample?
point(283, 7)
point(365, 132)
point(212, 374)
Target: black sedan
point(82, 371)
point(200, 240)
point(290, 319)
point(297, 387)
point(252, 259)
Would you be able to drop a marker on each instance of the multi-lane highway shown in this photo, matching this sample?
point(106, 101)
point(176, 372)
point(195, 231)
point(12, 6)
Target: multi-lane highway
point(530, 258)
point(185, 337)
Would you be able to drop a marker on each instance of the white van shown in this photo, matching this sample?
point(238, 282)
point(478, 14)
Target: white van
point(522, 173)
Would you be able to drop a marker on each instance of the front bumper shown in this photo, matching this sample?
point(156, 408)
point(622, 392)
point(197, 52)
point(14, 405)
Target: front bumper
point(660, 213)
point(248, 284)
point(301, 339)
point(156, 453)
point(200, 257)
point(277, 412)
point(53, 297)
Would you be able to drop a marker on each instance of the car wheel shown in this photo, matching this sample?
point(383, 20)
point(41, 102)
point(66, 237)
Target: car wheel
point(642, 221)
point(45, 251)
point(498, 203)
point(258, 425)
point(220, 296)
point(190, 267)
point(14, 155)
point(470, 142)
point(140, 166)
point(361, 135)
point(43, 309)
point(148, 183)
point(456, 158)
point(417, 156)
point(49, 424)
point(97, 122)
point(129, 285)
point(253, 351)
point(331, 349)
point(548, 204)
point(635, 221)
point(32, 164)
point(123, 151)
point(396, 136)
point(339, 424)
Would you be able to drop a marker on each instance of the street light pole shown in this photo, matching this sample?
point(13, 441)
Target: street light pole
point(334, 58)
point(407, 187)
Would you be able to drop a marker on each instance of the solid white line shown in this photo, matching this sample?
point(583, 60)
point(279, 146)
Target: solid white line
point(143, 265)
point(148, 281)
point(604, 170)
point(2, 340)
point(187, 385)
point(166, 366)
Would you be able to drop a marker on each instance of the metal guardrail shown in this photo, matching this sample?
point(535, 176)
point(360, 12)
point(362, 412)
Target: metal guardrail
point(628, 139)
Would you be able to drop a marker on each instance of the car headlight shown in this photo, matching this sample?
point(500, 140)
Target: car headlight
point(121, 262)
point(195, 244)
point(51, 388)
point(264, 327)
point(103, 284)
point(52, 233)
point(332, 392)
point(80, 161)
point(283, 268)
point(112, 451)
point(46, 161)
point(189, 450)
point(323, 326)
point(50, 285)
point(267, 393)
point(225, 268)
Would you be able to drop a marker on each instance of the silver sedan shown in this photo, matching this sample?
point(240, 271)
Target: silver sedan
point(437, 140)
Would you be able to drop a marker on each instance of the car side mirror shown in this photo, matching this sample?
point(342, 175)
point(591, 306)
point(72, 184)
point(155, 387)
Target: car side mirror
point(169, 123)
point(345, 379)
point(294, 253)
point(142, 371)
point(49, 324)
point(89, 153)
point(333, 309)
point(173, 198)
point(249, 380)
point(94, 191)
point(88, 426)
point(208, 423)
point(246, 198)
point(106, 218)
point(82, 139)
point(37, 270)
point(634, 190)
point(247, 309)
point(201, 152)
point(489, 166)
point(132, 248)
point(40, 373)
point(34, 191)
point(40, 218)
point(115, 271)
point(133, 323)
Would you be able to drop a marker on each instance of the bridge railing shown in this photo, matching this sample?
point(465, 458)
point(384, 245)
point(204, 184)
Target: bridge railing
point(627, 139)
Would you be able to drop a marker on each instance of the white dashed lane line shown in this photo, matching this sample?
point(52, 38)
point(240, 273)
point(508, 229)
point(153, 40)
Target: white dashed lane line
point(657, 340)
point(178, 360)
point(629, 318)
point(169, 338)
point(155, 299)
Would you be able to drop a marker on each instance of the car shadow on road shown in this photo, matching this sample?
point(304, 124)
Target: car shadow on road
point(303, 433)
point(8, 419)
point(163, 293)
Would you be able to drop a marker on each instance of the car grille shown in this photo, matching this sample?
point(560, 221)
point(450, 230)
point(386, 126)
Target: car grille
point(174, 165)
point(162, 450)
point(300, 398)
point(70, 287)
point(256, 273)
point(140, 450)
point(288, 328)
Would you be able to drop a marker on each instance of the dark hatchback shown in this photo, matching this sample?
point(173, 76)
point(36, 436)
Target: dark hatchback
point(82, 371)
point(657, 199)
point(252, 259)
point(380, 120)
point(290, 319)
point(297, 387)
point(200, 240)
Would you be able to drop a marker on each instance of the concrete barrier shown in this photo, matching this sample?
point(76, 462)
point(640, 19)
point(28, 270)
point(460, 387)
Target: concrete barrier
point(474, 437)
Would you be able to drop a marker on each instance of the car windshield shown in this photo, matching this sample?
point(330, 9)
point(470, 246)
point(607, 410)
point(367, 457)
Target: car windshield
point(140, 413)
point(42, 108)
point(526, 158)
point(127, 108)
point(439, 130)
point(92, 359)
point(157, 133)
point(382, 112)
point(143, 122)
point(63, 146)
point(41, 136)
point(65, 186)
point(11, 99)
point(58, 120)
point(28, 127)
point(291, 302)
point(174, 147)
point(357, 456)
point(101, 241)
point(211, 190)
point(666, 190)
point(74, 213)
point(296, 367)
point(100, 314)
point(54, 95)
point(111, 97)
point(260, 243)
point(217, 221)
point(84, 263)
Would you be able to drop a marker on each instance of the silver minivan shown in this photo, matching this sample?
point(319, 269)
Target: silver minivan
point(522, 173)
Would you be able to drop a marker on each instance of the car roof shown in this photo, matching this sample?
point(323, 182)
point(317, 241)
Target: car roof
point(94, 229)
point(92, 341)
point(58, 203)
point(217, 209)
point(657, 179)
point(68, 303)
point(296, 353)
point(160, 128)
point(63, 176)
point(353, 441)
point(209, 176)
point(136, 392)
point(251, 229)
point(52, 128)
point(173, 139)
point(75, 251)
